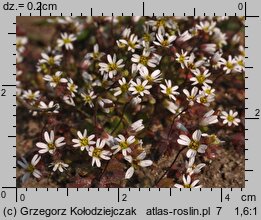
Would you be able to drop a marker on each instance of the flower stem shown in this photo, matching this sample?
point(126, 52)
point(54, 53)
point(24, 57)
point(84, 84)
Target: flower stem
point(167, 170)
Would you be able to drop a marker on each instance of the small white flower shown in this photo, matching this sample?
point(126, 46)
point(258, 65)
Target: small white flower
point(51, 144)
point(153, 77)
point(144, 60)
point(131, 42)
point(30, 167)
point(123, 144)
point(83, 141)
point(208, 90)
point(208, 48)
point(164, 40)
point(97, 153)
point(135, 163)
point(68, 100)
point(123, 87)
point(230, 118)
point(50, 105)
point(31, 96)
point(105, 104)
point(193, 144)
point(185, 36)
point(87, 98)
point(205, 99)
point(209, 118)
point(200, 78)
point(55, 79)
point(182, 58)
point(66, 41)
point(191, 96)
point(20, 44)
point(137, 126)
point(229, 65)
point(51, 60)
point(112, 67)
point(192, 168)
point(61, 166)
point(140, 87)
point(169, 90)
point(96, 55)
point(187, 183)
point(240, 62)
point(72, 87)
point(206, 26)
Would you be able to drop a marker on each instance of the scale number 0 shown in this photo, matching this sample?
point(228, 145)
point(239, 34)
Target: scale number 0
point(240, 6)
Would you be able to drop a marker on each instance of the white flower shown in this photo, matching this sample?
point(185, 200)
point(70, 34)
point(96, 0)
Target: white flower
point(105, 104)
point(72, 87)
point(112, 67)
point(193, 144)
point(55, 79)
point(191, 96)
point(51, 60)
point(169, 90)
point(61, 166)
point(97, 153)
point(50, 105)
point(230, 118)
point(135, 163)
point(240, 62)
point(137, 126)
point(51, 144)
point(185, 36)
point(153, 77)
point(192, 168)
point(83, 140)
point(205, 99)
point(140, 87)
point(200, 78)
point(229, 65)
point(123, 87)
point(187, 183)
point(209, 118)
point(164, 40)
point(182, 58)
point(30, 167)
point(87, 98)
point(208, 90)
point(20, 44)
point(131, 42)
point(96, 55)
point(208, 48)
point(68, 100)
point(66, 41)
point(31, 96)
point(206, 26)
point(123, 144)
point(144, 60)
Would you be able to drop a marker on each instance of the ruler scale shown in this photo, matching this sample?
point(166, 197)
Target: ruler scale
point(118, 203)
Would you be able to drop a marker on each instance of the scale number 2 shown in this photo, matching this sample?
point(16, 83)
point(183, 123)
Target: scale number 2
point(3, 91)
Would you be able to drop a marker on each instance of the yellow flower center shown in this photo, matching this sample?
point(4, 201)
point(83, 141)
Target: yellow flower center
point(144, 60)
point(203, 99)
point(51, 146)
point(194, 145)
point(67, 41)
point(201, 78)
point(56, 79)
point(168, 91)
point(140, 88)
point(230, 118)
point(124, 88)
point(146, 37)
point(187, 186)
point(30, 168)
point(165, 43)
point(181, 59)
point(51, 61)
point(161, 23)
point(84, 142)
point(96, 152)
point(123, 145)
point(112, 66)
point(87, 98)
point(229, 65)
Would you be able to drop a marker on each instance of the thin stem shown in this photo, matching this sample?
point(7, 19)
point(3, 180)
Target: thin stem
point(173, 120)
point(122, 115)
point(167, 170)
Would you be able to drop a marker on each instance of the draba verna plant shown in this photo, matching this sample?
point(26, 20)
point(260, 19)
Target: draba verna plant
point(130, 102)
